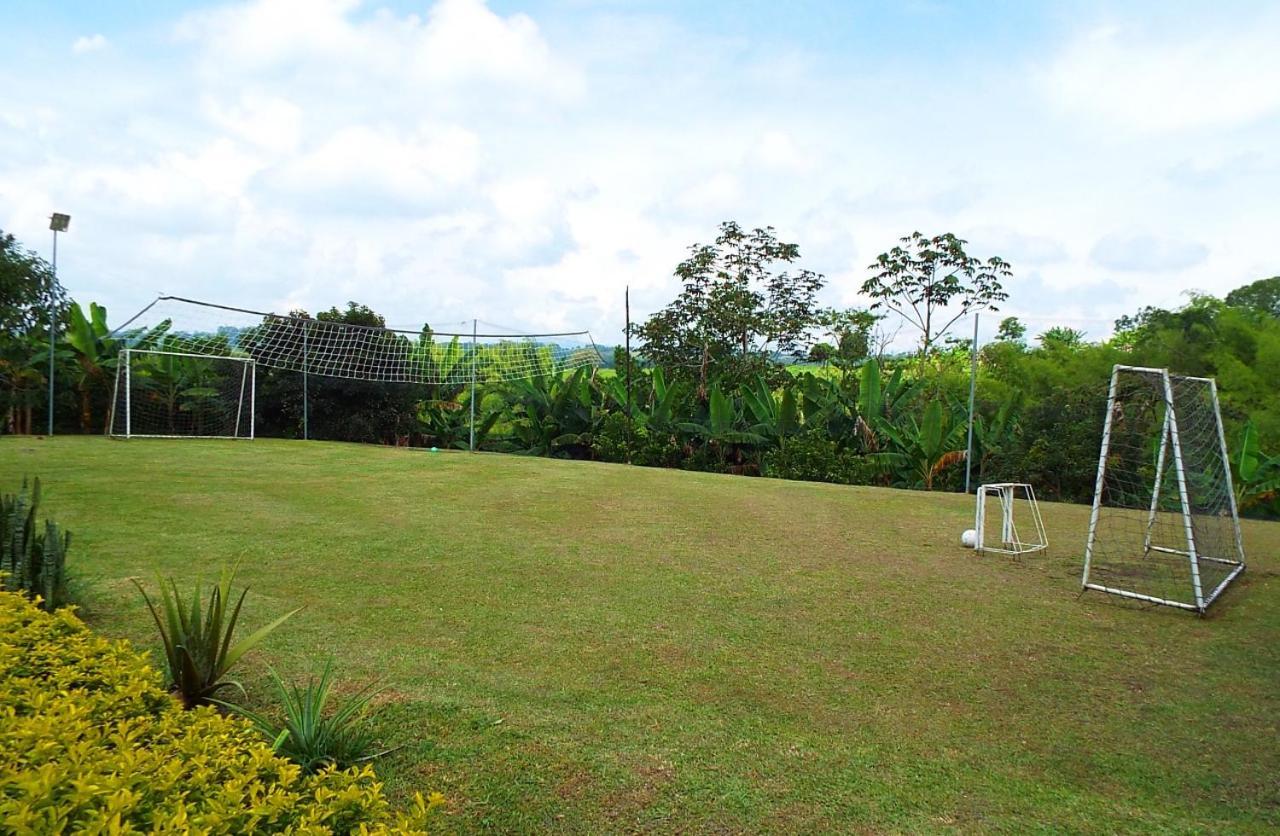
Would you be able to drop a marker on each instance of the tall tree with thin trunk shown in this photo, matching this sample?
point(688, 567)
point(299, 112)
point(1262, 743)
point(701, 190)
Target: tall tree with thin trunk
point(932, 283)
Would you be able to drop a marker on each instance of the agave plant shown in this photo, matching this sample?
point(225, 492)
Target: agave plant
point(198, 649)
point(310, 737)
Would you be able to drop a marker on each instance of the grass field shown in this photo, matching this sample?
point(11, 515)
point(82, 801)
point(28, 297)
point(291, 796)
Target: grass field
point(593, 647)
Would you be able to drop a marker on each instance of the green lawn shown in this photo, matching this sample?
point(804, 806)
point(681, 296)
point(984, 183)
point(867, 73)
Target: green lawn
point(592, 647)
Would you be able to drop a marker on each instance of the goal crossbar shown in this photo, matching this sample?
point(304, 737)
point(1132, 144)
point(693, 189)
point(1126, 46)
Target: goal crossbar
point(233, 402)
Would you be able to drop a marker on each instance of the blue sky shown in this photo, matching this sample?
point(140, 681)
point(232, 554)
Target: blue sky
point(523, 162)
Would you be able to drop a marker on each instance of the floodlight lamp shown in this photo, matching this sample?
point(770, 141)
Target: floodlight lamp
point(59, 222)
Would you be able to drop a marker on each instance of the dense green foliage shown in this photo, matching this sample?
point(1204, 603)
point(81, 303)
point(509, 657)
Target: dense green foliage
point(198, 648)
point(90, 743)
point(711, 388)
point(32, 561)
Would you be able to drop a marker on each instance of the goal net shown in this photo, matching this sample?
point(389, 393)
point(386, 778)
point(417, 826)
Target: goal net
point(171, 394)
point(327, 348)
point(1164, 526)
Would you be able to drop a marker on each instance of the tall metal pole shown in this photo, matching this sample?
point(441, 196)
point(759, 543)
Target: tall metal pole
point(973, 387)
point(53, 333)
point(627, 299)
point(474, 358)
point(306, 430)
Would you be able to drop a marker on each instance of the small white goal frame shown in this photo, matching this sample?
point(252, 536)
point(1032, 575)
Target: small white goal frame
point(1009, 495)
point(244, 417)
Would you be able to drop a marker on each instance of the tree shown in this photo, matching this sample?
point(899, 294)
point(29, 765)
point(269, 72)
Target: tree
point(1011, 330)
point(924, 277)
point(26, 289)
point(1061, 337)
point(851, 331)
point(736, 311)
point(1262, 296)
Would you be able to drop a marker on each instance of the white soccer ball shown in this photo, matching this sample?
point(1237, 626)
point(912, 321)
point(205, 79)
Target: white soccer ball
point(969, 538)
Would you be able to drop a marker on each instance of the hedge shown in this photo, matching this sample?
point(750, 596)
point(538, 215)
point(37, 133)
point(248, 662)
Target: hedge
point(90, 742)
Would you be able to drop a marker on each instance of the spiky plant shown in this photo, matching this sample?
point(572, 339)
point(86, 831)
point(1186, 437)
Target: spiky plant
point(310, 737)
point(198, 647)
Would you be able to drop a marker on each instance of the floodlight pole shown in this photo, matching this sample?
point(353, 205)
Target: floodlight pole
point(474, 358)
point(58, 222)
point(973, 386)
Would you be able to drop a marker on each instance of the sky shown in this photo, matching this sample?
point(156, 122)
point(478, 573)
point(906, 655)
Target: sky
point(523, 162)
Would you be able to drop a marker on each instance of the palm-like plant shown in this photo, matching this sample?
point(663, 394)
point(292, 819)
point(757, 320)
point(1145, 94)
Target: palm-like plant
point(310, 736)
point(921, 450)
point(1257, 475)
point(551, 413)
point(776, 418)
point(95, 351)
point(198, 649)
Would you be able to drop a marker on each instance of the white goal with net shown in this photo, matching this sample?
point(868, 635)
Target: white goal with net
point(174, 394)
point(1164, 526)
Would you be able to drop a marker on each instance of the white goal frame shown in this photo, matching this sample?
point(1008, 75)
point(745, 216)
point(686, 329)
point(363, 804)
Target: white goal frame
point(1009, 494)
point(1170, 455)
point(124, 368)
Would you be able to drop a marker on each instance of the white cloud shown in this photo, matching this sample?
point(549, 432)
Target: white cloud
point(1125, 77)
point(463, 162)
point(459, 41)
point(1147, 253)
point(88, 43)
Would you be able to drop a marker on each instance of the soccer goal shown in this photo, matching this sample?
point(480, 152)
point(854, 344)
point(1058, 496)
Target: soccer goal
point(172, 394)
point(1007, 520)
point(1164, 526)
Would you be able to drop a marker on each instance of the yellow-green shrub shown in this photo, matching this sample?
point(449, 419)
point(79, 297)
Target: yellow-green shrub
point(89, 742)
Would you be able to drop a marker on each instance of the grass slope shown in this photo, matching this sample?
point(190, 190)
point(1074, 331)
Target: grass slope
point(593, 647)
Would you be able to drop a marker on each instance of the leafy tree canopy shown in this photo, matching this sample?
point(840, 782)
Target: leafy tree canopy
point(736, 309)
point(932, 282)
point(1262, 296)
point(26, 289)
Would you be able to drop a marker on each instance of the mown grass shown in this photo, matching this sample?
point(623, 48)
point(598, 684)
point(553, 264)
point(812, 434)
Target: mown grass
point(590, 647)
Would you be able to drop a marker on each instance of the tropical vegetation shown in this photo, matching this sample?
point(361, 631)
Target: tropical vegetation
point(91, 743)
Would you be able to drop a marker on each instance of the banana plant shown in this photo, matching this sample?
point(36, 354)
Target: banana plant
point(922, 450)
point(879, 401)
point(990, 434)
point(775, 417)
point(722, 425)
point(652, 406)
point(1257, 475)
point(551, 413)
point(96, 354)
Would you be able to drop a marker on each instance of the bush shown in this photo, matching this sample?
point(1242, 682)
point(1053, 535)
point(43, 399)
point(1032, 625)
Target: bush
point(33, 562)
point(812, 457)
point(90, 741)
point(648, 448)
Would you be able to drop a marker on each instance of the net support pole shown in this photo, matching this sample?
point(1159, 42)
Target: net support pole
point(1180, 472)
point(1226, 468)
point(306, 429)
point(253, 395)
point(627, 333)
point(474, 358)
point(1155, 490)
point(1102, 471)
point(973, 388)
point(128, 393)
